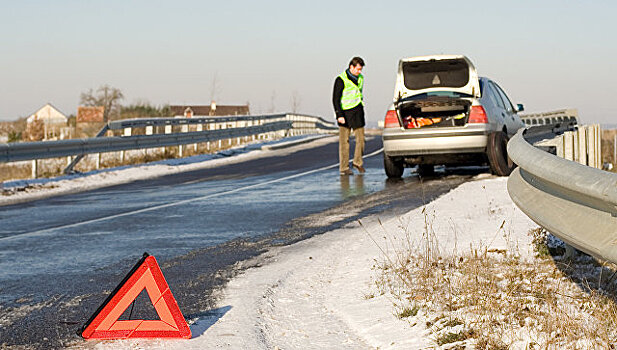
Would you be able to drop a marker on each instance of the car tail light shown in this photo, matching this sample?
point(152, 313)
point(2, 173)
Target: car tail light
point(477, 115)
point(391, 120)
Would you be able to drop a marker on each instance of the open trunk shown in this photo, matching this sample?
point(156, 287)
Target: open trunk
point(434, 112)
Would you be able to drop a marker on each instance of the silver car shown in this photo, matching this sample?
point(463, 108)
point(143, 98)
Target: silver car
point(443, 113)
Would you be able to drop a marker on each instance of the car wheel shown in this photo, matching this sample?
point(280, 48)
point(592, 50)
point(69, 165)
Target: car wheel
point(394, 167)
point(497, 153)
point(426, 170)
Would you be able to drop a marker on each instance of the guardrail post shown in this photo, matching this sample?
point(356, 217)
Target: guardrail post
point(35, 166)
point(591, 146)
point(560, 147)
point(149, 131)
point(568, 139)
point(208, 143)
point(200, 127)
point(184, 128)
point(167, 131)
point(219, 126)
point(598, 146)
point(127, 132)
point(581, 155)
point(98, 161)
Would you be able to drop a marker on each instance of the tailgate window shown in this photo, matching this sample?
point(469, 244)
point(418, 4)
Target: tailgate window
point(435, 73)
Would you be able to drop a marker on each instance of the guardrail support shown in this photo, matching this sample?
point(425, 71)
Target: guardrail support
point(35, 166)
point(69, 168)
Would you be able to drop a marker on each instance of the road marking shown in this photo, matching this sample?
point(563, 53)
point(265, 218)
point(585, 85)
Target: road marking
point(172, 204)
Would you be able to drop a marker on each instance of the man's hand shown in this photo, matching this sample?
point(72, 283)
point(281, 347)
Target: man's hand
point(341, 120)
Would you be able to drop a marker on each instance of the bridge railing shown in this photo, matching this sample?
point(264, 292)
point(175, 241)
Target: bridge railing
point(192, 131)
point(575, 202)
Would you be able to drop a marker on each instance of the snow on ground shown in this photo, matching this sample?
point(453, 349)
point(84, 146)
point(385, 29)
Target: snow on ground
point(320, 293)
point(17, 191)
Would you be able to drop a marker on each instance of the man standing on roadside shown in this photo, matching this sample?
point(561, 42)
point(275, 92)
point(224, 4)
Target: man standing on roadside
point(349, 109)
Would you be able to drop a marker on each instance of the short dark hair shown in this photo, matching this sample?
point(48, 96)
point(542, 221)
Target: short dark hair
point(356, 61)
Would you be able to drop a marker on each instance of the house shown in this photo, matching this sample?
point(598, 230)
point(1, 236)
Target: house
point(213, 109)
point(88, 114)
point(54, 122)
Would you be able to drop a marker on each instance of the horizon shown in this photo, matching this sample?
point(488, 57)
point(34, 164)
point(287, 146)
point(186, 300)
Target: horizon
point(547, 56)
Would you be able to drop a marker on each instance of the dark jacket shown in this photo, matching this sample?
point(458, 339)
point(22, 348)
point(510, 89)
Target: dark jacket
point(354, 118)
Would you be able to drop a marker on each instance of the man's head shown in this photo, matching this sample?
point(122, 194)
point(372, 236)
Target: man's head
point(355, 65)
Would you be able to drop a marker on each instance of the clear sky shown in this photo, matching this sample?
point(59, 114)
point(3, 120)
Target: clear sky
point(547, 55)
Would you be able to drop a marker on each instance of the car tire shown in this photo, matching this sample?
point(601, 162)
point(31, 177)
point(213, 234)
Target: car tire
point(394, 167)
point(497, 153)
point(425, 170)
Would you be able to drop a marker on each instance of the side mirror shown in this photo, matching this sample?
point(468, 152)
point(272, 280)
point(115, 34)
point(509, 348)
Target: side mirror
point(520, 107)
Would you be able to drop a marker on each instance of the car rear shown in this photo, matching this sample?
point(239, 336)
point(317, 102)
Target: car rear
point(436, 117)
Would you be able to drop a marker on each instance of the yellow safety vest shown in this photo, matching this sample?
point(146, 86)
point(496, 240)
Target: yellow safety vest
point(352, 93)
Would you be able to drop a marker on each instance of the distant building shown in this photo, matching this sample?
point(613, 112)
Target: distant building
point(89, 120)
point(54, 122)
point(90, 114)
point(213, 109)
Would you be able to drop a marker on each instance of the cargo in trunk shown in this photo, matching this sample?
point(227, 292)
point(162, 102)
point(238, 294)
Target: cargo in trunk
point(433, 111)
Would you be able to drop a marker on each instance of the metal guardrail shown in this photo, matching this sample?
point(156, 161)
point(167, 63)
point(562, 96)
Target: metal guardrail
point(242, 126)
point(552, 117)
point(576, 203)
point(52, 149)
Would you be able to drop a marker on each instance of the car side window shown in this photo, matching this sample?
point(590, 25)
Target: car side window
point(505, 98)
point(492, 95)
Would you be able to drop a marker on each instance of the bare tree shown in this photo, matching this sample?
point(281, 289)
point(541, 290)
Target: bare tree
point(106, 96)
point(295, 101)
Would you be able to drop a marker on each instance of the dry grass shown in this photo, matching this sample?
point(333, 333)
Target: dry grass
point(608, 144)
point(14, 171)
point(496, 300)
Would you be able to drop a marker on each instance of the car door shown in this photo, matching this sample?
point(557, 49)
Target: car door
point(510, 113)
point(497, 109)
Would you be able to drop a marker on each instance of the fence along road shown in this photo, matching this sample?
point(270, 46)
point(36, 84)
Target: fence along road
point(575, 202)
point(231, 127)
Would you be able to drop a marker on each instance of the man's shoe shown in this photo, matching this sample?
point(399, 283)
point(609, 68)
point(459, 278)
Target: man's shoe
point(360, 168)
point(346, 172)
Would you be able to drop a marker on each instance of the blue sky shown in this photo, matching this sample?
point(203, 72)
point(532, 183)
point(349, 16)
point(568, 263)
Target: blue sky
point(548, 55)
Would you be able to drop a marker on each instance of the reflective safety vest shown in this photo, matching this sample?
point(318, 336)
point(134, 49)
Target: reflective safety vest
point(352, 93)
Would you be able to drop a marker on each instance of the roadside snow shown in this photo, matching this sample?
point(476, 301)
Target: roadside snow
point(18, 191)
point(320, 293)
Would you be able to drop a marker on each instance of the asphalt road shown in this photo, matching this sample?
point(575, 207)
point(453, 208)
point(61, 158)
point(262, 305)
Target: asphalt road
point(60, 257)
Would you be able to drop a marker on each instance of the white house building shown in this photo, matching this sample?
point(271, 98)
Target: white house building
point(53, 120)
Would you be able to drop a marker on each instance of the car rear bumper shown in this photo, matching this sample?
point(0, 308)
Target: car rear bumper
point(468, 139)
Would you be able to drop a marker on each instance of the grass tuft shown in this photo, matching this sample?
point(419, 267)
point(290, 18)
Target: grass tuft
point(409, 312)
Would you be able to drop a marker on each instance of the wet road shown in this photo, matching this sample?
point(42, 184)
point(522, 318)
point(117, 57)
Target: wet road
point(59, 256)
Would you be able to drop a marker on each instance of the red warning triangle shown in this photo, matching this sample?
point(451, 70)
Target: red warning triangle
point(146, 274)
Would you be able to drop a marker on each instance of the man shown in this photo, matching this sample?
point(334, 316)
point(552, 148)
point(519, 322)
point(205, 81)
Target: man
point(349, 109)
